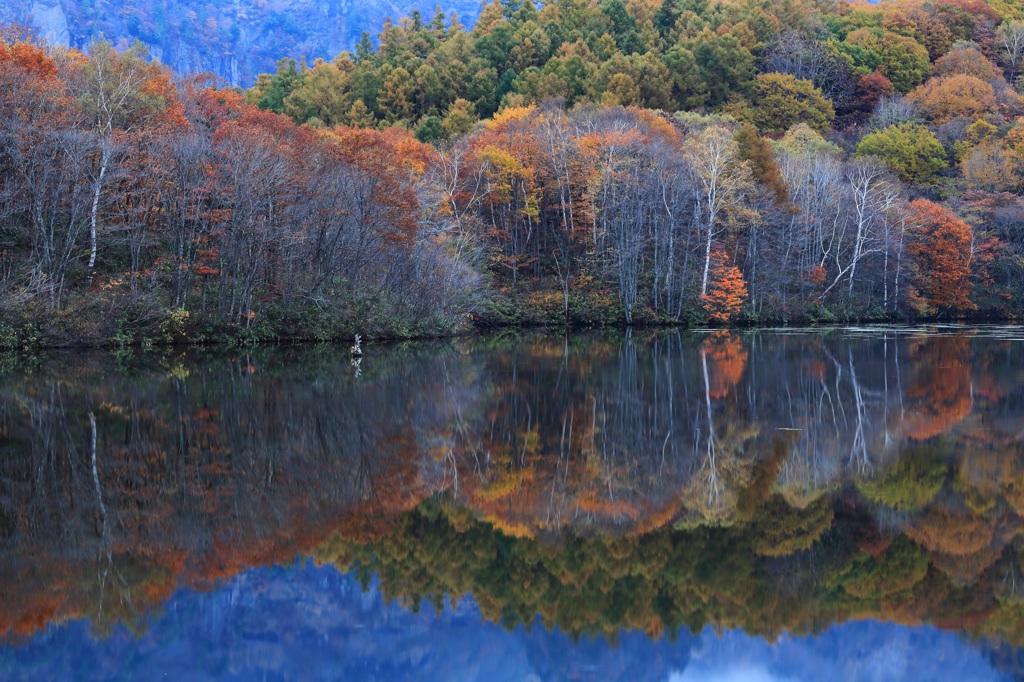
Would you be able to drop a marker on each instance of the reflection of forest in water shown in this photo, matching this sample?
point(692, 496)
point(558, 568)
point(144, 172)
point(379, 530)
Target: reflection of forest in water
point(654, 482)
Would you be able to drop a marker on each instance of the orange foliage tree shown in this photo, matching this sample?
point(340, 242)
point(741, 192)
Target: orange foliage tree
point(728, 359)
point(728, 290)
point(939, 391)
point(942, 253)
point(947, 97)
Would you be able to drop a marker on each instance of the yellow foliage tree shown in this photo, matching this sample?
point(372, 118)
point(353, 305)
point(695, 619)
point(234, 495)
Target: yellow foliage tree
point(947, 97)
point(990, 168)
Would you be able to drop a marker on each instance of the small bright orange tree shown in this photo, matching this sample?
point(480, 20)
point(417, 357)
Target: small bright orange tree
point(728, 290)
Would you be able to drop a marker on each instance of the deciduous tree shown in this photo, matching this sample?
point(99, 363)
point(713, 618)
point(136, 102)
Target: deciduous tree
point(910, 150)
point(941, 249)
point(780, 101)
point(944, 98)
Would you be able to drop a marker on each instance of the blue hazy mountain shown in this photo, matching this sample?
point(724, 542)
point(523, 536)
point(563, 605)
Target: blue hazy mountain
point(234, 39)
point(312, 623)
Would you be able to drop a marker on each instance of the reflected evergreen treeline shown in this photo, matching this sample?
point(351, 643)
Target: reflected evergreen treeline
point(303, 621)
point(661, 482)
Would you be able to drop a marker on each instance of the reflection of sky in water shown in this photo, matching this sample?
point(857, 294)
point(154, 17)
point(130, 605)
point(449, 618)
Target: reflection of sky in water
point(308, 623)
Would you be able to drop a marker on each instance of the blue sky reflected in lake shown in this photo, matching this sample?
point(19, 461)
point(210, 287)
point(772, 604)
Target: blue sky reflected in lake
point(305, 622)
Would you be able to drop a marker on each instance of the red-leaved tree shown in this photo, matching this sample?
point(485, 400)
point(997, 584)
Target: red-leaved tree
point(941, 250)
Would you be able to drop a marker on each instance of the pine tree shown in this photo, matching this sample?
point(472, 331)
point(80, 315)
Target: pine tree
point(360, 117)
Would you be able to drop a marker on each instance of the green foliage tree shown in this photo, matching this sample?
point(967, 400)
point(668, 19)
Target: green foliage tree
point(624, 30)
point(781, 101)
point(325, 93)
point(903, 60)
point(429, 130)
point(396, 95)
point(360, 116)
point(459, 119)
point(802, 140)
point(782, 530)
point(726, 67)
point(910, 150)
point(279, 86)
point(689, 90)
point(901, 567)
point(910, 485)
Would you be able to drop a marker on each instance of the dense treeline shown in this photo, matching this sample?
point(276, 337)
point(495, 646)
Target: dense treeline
point(670, 55)
point(824, 162)
point(131, 206)
point(705, 217)
point(830, 561)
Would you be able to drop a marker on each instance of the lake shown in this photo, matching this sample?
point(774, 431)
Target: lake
point(776, 505)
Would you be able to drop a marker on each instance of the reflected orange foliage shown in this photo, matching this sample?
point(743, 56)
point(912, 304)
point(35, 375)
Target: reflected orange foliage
point(727, 358)
point(966, 568)
point(944, 531)
point(940, 388)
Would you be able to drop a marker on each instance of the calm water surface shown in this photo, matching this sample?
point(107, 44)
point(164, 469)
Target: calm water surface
point(781, 505)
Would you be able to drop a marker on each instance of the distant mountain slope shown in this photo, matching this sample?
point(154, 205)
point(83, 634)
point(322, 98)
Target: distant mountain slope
point(234, 39)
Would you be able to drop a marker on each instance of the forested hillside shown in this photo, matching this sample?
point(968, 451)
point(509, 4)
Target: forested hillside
point(234, 39)
point(621, 161)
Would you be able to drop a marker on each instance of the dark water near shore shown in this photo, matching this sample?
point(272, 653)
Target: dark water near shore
point(774, 505)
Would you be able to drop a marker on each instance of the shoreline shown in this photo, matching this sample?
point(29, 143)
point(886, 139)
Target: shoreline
point(225, 341)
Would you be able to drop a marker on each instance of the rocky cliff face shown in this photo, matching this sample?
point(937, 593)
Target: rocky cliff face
point(233, 39)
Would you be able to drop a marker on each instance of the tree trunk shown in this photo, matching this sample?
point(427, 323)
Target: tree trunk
point(104, 160)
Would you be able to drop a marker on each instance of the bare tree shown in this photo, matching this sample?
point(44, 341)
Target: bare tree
point(1010, 38)
point(724, 180)
point(807, 59)
point(859, 235)
point(110, 92)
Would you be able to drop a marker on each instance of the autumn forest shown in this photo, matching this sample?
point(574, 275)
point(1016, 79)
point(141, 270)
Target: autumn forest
point(622, 162)
point(684, 321)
